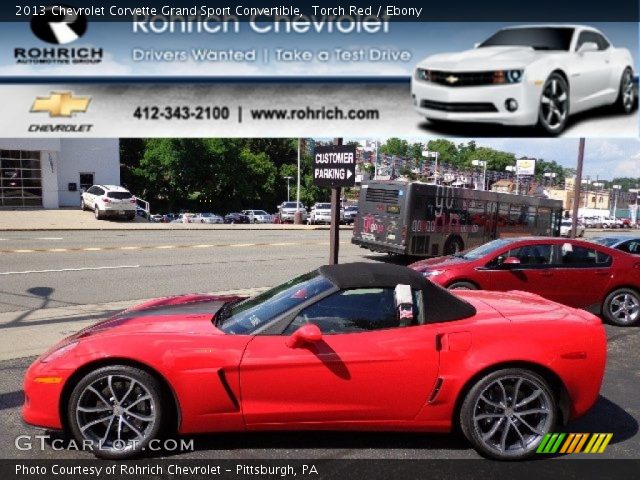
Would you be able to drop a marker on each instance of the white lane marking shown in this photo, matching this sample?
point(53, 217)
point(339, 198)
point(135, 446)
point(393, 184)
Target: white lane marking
point(92, 249)
point(201, 246)
point(70, 270)
point(49, 238)
point(165, 246)
point(242, 245)
point(23, 251)
point(130, 248)
point(59, 250)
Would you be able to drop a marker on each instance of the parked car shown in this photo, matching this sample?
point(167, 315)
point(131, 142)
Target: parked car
point(321, 213)
point(609, 222)
point(169, 217)
point(592, 222)
point(363, 346)
point(236, 217)
point(288, 210)
point(624, 243)
point(526, 75)
point(258, 216)
point(350, 214)
point(206, 217)
point(565, 228)
point(109, 201)
point(157, 218)
point(577, 273)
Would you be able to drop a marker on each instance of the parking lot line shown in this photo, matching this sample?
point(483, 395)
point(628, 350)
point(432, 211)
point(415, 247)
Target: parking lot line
point(70, 269)
point(167, 247)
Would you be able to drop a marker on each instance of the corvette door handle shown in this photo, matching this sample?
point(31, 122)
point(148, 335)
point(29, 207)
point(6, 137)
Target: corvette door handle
point(546, 274)
point(602, 272)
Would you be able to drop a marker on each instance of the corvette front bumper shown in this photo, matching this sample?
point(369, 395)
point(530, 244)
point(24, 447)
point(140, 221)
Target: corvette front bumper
point(485, 104)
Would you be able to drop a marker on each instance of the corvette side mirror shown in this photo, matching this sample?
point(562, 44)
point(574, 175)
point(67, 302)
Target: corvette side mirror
point(306, 334)
point(588, 47)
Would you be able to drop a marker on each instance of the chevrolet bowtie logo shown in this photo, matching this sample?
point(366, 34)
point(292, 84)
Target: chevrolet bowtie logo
point(452, 79)
point(60, 104)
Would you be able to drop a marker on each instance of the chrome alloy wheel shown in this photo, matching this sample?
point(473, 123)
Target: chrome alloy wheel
point(625, 308)
point(115, 413)
point(554, 104)
point(627, 91)
point(512, 414)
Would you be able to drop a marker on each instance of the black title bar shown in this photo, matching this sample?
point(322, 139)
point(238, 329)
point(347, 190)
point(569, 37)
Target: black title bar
point(570, 11)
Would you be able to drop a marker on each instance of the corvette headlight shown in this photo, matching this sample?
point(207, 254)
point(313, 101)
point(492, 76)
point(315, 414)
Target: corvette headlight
point(59, 352)
point(507, 76)
point(423, 74)
point(432, 273)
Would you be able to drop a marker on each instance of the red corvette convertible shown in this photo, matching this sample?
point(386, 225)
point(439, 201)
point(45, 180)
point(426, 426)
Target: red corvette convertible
point(573, 272)
point(348, 347)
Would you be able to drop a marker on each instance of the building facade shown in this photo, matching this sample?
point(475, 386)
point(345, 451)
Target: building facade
point(51, 173)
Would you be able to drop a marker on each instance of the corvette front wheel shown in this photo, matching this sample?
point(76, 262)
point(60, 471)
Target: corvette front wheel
point(116, 410)
point(507, 413)
point(553, 111)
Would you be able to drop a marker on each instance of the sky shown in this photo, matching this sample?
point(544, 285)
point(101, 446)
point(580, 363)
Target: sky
point(604, 159)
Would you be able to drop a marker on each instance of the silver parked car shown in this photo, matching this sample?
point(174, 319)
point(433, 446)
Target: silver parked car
point(258, 216)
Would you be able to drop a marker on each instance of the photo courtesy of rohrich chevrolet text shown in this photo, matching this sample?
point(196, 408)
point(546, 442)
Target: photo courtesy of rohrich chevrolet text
point(341, 240)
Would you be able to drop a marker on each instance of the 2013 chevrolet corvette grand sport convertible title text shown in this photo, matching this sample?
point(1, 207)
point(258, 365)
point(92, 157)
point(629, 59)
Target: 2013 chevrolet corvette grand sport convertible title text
point(356, 346)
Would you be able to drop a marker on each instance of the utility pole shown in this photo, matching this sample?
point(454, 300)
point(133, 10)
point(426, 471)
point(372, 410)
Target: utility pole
point(297, 217)
point(334, 232)
point(576, 188)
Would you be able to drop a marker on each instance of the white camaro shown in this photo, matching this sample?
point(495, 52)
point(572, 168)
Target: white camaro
point(526, 75)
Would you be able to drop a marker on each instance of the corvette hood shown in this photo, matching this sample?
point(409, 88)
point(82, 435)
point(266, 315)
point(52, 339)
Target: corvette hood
point(486, 58)
point(184, 314)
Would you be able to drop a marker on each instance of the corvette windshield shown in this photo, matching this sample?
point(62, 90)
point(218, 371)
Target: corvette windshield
point(249, 315)
point(539, 38)
point(483, 250)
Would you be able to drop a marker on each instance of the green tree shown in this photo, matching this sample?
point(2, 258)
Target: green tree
point(395, 146)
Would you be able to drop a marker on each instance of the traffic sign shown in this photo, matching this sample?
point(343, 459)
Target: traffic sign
point(334, 166)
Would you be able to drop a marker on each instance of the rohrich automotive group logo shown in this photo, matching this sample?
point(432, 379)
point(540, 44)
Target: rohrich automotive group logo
point(58, 29)
point(58, 25)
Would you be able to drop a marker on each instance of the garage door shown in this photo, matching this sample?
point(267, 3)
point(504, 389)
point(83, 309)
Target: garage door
point(20, 178)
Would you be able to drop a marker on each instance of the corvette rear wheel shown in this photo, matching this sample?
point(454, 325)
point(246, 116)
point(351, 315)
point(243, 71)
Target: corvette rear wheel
point(622, 307)
point(117, 409)
point(627, 95)
point(554, 105)
point(507, 413)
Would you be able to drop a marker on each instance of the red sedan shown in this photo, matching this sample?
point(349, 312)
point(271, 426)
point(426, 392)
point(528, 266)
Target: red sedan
point(573, 272)
point(347, 347)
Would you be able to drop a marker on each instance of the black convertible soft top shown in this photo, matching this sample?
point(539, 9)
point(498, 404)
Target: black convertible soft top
point(440, 304)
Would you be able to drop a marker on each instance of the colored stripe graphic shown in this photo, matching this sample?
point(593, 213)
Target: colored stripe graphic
point(574, 443)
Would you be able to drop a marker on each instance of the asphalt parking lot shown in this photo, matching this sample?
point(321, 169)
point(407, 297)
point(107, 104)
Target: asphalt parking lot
point(56, 282)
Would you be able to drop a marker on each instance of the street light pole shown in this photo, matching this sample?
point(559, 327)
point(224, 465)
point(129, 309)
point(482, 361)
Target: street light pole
point(288, 179)
point(615, 199)
point(297, 217)
point(634, 217)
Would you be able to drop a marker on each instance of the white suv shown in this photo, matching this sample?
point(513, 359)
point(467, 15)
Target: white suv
point(321, 213)
point(109, 201)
